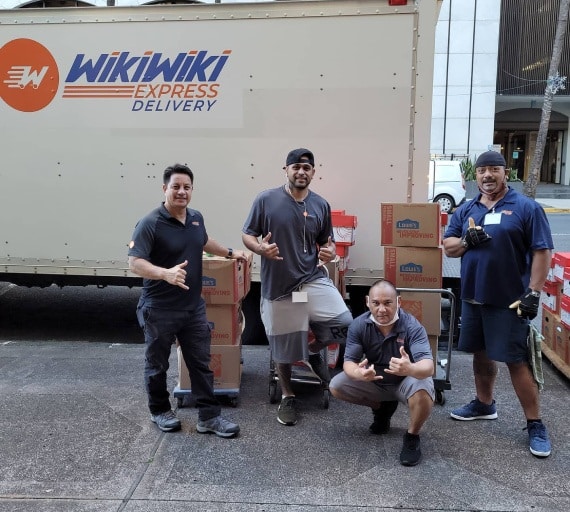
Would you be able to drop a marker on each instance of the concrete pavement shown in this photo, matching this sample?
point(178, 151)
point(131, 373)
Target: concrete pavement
point(554, 205)
point(75, 435)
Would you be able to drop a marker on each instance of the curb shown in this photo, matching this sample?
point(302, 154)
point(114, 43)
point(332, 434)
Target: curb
point(549, 209)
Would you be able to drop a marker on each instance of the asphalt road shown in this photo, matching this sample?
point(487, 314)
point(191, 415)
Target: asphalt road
point(108, 314)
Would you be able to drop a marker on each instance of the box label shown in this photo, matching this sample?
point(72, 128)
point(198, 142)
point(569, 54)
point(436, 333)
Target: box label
point(410, 224)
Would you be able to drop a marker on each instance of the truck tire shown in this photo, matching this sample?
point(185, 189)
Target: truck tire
point(446, 203)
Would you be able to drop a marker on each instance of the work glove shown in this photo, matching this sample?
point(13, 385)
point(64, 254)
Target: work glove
point(474, 236)
point(527, 304)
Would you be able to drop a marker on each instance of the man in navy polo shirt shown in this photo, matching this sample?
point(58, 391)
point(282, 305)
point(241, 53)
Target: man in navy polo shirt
point(388, 360)
point(166, 250)
point(505, 245)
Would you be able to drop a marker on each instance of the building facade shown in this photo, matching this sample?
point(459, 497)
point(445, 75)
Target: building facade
point(491, 69)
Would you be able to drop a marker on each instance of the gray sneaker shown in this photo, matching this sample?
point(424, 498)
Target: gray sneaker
point(219, 426)
point(166, 421)
point(286, 414)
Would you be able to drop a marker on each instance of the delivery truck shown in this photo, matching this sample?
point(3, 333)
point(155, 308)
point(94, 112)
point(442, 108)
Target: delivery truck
point(97, 101)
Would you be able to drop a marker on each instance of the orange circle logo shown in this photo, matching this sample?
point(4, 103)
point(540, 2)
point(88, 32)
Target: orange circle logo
point(29, 77)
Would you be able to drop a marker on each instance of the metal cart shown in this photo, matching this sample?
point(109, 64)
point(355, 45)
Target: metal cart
point(301, 373)
point(227, 395)
point(442, 367)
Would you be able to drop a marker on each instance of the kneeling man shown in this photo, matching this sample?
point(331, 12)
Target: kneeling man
point(388, 360)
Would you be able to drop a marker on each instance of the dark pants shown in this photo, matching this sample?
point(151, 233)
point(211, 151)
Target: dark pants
point(161, 328)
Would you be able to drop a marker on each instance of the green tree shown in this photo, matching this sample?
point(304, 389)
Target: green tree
point(554, 83)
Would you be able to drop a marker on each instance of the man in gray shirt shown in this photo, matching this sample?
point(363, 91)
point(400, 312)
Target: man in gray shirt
point(290, 227)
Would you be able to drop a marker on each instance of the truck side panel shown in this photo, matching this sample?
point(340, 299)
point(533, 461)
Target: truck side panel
point(226, 89)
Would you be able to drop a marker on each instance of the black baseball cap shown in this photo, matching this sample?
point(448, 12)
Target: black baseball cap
point(490, 158)
point(295, 156)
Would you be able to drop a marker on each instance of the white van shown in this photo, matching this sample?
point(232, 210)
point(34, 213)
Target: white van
point(446, 184)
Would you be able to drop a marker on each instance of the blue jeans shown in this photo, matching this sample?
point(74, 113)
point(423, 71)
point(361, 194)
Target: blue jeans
point(161, 328)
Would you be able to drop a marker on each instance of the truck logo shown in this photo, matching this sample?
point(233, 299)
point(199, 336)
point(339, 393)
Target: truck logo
point(154, 82)
point(21, 76)
point(122, 67)
point(29, 77)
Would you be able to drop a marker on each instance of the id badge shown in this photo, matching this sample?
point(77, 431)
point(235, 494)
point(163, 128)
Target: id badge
point(493, 218)
point(300, 297)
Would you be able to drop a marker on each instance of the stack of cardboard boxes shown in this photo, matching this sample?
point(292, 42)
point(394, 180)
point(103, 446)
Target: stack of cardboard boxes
point(343, 229)
point(556, 312)
point(224, 284)
point(411, 237)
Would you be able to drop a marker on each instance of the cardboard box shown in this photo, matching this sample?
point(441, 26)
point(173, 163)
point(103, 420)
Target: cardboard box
point(343, 236)
point(561, 262)
point(226, 322)
point(224, 281)
point(562, 342)
point(343, 264)
point(549, 321)
point(225, 363)
point(410, 224)
point(426, 307)
point(566, 282)
point(342, 250)
point(341, 219)
point(246, 270)
point(343, 227)
point(413, 267)
point(333, 270)
point(433, 343)
point(550, 275)
point(565, 311)
point(550, 295)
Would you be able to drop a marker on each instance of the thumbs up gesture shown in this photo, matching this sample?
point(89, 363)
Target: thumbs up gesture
point(400, 365)
point(475, 235)
point(327, 252)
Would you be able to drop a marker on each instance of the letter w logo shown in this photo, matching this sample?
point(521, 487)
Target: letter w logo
point(21, 76)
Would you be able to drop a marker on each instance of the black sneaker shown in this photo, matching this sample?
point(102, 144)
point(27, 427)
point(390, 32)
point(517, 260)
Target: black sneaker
point(286, 414)
point(166, 421)
point(320, 367)
point(411, 453)
point(382, 417)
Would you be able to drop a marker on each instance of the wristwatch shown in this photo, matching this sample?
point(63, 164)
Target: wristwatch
point(534, 293)
point(230, 253)
point(464, 243)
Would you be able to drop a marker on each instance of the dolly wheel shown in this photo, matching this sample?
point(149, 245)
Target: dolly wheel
point(326, 398)
point(439, 397)
point(272, 392)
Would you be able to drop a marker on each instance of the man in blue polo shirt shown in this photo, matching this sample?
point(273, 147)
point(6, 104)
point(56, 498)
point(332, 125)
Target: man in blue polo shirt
point(388, 360)
point(166, 250)
point(504, 241)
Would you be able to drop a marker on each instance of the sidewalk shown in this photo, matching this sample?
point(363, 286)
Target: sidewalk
point(76, 436)
point(554, 205)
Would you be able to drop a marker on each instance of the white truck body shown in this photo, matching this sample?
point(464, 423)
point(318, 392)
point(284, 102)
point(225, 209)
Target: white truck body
point(98, 101)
